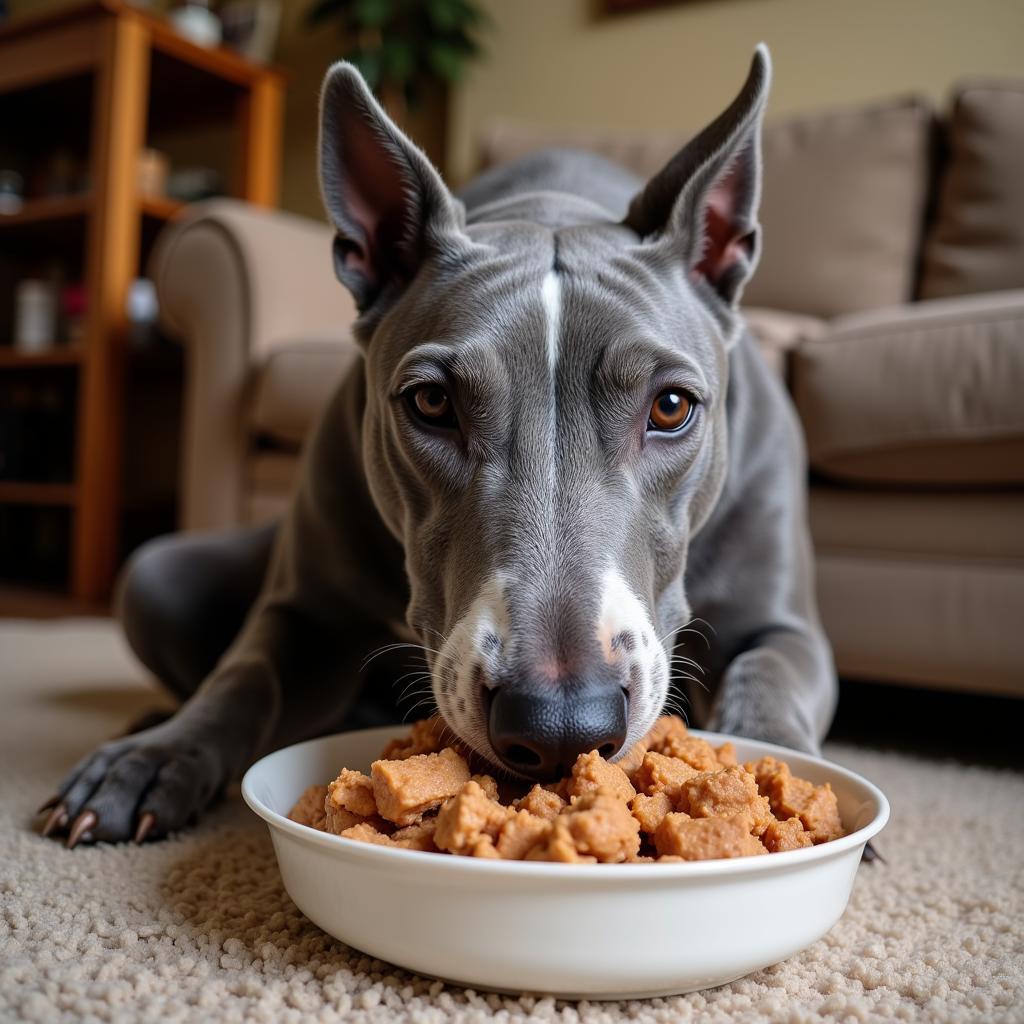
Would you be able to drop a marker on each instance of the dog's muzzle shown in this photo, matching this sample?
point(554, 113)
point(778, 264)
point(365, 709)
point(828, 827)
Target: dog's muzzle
point(539, 731)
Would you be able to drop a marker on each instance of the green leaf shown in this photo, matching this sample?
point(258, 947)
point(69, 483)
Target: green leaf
point(397, 59)
point(445, 61)
point(368, 62)
point(373, 13)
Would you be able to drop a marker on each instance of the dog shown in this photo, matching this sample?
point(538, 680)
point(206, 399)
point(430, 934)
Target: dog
point(560, 450)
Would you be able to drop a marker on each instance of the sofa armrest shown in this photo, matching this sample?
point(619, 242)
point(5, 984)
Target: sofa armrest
point(926, 394)
point(235, 283)
point(778, 332)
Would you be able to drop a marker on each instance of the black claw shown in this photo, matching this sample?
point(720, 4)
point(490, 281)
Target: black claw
point(49, 805)
point(146, 823)
point(870, 855)
point(58, 819)
point(84, 823)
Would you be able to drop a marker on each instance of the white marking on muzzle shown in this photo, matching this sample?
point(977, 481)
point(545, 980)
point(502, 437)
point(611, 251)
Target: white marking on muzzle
point(469, 658)
point(628, 638)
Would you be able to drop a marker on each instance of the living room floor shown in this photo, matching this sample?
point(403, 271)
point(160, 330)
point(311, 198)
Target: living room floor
point(200, 925)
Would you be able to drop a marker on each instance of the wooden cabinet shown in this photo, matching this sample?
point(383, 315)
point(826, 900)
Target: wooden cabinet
point(103, 80)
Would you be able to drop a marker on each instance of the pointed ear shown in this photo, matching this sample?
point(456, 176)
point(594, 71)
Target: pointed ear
point(389, 206)
point(703, 203)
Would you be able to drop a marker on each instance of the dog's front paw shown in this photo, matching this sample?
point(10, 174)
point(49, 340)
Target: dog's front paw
point(150, 784)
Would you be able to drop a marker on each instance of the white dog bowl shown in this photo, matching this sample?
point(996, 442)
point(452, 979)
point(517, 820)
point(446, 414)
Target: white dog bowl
point(599, 931)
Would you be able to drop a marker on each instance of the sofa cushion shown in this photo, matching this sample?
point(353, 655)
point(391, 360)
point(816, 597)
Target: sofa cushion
point(292, 386)
point(977, 242)
point(922, 523)
point(842, 207)
point(927, 394)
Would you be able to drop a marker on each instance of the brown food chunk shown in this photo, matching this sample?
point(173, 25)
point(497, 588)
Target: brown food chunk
point(592, 772)
point(488, 784)
point(541, 802)
point(650, 810)
point(661, 774)
point(468, 818)
point(790, 797)
point(786, 835)
point(366, 833)
point(520, 834)
point(726, 755)
point(696, 752)
point(309, 808)
point(705, 838)
point(631, 760)
point(425, 737)
point(665, 727)
point(406, 789)
point(352, 791)
point(597, 825)
point(726, 793)
point(416, 837)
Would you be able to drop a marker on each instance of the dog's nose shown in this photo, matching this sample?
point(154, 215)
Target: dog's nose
point(541, 734)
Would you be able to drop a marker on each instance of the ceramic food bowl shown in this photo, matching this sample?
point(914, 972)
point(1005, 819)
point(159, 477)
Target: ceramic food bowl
point(601, 931)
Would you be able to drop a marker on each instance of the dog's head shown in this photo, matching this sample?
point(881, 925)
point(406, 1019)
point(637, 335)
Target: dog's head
point(545, 426)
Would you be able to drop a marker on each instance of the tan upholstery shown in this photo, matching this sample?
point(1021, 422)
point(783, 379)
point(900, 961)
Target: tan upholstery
point(977, 243)
point(924, 394)
point(844, 197)
point(503, 140)
point(270, 477)
point(292, 386)
point(977, 526)
point(850, 182)
point(777, 333)
point(235, 283)
point(934, 622)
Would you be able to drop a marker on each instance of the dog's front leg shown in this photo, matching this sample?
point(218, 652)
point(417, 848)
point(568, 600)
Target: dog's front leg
point(781, 690)
point(288, 677)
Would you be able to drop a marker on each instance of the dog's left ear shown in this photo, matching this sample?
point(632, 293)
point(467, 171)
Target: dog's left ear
point(390, 207)
point(703, 203)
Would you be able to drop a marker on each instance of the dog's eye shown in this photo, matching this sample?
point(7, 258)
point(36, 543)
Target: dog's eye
point(671, 411)
point(431, 404)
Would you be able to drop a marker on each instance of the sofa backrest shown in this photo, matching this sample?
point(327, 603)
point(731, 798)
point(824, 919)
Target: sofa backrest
point(843, 206)
point(976, 243)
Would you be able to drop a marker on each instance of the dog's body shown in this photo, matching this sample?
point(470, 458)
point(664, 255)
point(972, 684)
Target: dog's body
point(482, 481)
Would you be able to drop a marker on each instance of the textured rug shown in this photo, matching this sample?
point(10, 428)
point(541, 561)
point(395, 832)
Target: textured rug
point(200, 928)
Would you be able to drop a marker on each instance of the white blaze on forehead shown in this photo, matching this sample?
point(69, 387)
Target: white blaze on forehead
point(551, 293)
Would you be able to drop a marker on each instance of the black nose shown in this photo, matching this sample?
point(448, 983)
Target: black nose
point(541, 732)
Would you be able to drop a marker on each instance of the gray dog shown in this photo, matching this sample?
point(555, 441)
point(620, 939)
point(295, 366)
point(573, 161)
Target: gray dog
point(560, 447)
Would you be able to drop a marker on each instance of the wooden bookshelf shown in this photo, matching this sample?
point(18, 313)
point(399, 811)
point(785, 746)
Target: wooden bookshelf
point(40, 211)
point(57, 355)
point(112, 74)
point(14, 493)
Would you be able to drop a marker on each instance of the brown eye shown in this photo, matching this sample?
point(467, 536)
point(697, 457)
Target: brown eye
point(431, 403)
point(671, 410)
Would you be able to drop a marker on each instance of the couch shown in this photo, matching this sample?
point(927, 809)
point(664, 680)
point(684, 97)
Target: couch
point(890, 296)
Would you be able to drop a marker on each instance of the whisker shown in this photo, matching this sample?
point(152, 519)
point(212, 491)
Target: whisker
point(386, 648)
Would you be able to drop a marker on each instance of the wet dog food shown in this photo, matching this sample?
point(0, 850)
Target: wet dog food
point(671, 797)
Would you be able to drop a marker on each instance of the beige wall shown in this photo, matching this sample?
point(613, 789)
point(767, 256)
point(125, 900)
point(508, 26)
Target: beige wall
point(675, 67)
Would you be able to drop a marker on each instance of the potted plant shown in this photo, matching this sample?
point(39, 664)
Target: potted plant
point(401, 46)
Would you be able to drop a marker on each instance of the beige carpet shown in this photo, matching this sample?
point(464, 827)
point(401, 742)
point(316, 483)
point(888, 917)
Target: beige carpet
point(199, 928)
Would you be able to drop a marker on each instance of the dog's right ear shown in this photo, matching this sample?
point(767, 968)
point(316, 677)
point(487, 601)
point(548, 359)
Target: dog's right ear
point(389, 206)
point(702, 206)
